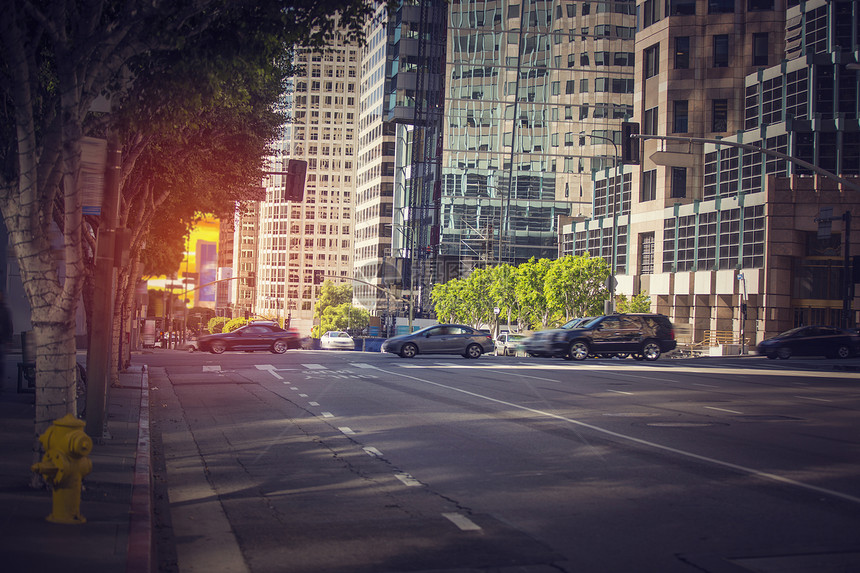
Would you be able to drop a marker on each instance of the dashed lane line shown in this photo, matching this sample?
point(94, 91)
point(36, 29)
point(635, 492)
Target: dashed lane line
point(461, 521)
point(736, 467)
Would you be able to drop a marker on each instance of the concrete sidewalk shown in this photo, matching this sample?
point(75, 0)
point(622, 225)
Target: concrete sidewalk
point(116, 500)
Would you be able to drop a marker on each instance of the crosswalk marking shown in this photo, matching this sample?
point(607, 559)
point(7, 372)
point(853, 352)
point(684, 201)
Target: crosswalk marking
point(216, 368)
point(314, 366)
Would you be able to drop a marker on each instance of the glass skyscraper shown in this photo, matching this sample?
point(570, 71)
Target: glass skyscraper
point(535, 95)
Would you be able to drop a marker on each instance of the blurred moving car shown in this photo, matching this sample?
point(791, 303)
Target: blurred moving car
point(644, 336)
point(254, 336)
point(541, 342)
point(508, 343)
point(813, 340)
point(337, 340)
point(441, 339)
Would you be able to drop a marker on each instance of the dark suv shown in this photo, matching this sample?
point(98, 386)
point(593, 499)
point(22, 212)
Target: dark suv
point(644, 336)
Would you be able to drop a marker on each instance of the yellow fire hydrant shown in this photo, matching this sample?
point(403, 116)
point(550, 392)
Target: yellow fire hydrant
point(64, 465)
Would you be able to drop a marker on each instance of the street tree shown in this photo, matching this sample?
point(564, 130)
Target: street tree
point(344, 316)
point(531, 277)
point(640, 302)
point(56, 59)
point(504, 292)
point(331, 295)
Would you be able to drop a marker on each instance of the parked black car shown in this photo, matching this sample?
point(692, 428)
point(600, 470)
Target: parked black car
point(813, 340)
point(644, 336)
point(255, 336)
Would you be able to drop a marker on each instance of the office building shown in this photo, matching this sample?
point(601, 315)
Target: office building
point(724, 238)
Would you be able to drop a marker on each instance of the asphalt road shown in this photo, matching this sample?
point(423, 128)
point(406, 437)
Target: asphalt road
point(321, 462)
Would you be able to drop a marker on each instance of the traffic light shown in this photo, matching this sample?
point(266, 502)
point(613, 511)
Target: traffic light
point(629, 144)
point(318, 277)
point(295, 180)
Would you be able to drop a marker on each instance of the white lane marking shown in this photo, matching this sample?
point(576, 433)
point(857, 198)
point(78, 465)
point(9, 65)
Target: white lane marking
point(705, 385)
point(270, 369)
point(407, 479)
point(362, 365)
point(723, 410)
point(314, 366)
point(327, 414)
point(706, 459)
point(461, 521)
point(633, 368)
point(621, 392)
point(313, 403)
point(212, 369)
point(293, 388)
point(303, 395)
point(811, 398)
point(371, 451)
point(346, 430)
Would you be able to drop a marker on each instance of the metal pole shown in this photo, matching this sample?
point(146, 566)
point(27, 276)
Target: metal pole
point(610, 308)
point(846, 272)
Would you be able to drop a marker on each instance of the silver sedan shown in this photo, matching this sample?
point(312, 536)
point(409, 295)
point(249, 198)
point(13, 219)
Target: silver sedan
point(441, 339)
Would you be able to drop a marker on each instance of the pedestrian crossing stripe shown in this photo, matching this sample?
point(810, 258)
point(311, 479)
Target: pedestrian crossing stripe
point(314, 366)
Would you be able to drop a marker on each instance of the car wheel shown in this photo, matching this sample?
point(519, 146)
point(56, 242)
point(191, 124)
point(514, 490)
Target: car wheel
point(279, 347)
point(843, 351)
point(473, 351)
point(783, 353)
point(408, 350)
point(771, 355)
point(651, 350)
point(578, 350)
point(217, 347)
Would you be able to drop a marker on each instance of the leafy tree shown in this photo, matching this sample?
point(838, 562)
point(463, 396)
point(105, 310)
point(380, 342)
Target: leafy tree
point(531, 277)
point(344, 316)
point(331, 295)
point(235, 323)
point(475, 299)
point(56, 58)
point(504, 292)
point(640, 302)
point(216, 324)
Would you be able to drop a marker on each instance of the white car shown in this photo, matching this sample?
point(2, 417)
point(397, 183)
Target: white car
point(508, 343)
point(337, 340)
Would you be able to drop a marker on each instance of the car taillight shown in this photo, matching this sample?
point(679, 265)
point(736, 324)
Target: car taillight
point(672, 333)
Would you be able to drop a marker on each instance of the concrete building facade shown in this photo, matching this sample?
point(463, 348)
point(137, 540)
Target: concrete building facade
point(723, 238)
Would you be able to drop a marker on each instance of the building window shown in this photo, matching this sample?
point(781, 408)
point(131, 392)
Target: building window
point(652, 61)
point(682, 7)
point(721, 6)
point(721, 51)
point(680, 116)
point(720, 118)
point(760, 48)
point(646, 254)
point(679, 182)
point(649, 121)
point(650, 12)
point(759, 5)
point(682, 52)
point(648, 191)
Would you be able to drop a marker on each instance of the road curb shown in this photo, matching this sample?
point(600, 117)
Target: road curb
point(139, 556)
